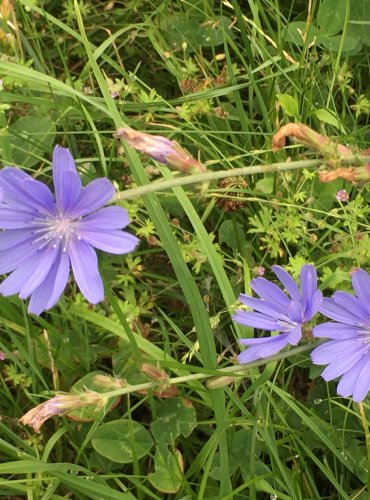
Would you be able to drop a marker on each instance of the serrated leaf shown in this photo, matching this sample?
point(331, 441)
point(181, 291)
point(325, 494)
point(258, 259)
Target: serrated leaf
point(168, 474)
point(331, 16)
point(30, 137)
point(289, 105)
point(175, 416)
point(120, 440)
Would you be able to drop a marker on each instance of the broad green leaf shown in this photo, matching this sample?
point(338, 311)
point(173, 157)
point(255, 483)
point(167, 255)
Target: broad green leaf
point(175, 416)
point(121, 440)
point(30, 137)
point(359, 21)
point(265, 185)
point(331, 16)
point(289, 105)
point(334, 43)
point(296, 33)
point(326, 116)
point(168, 474)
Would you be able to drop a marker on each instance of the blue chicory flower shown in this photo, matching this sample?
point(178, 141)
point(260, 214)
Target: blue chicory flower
point(277, 312)
point(347, 354)
point(42, 236)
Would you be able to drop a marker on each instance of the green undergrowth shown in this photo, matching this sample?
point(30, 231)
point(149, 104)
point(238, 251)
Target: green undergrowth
point(220, 78)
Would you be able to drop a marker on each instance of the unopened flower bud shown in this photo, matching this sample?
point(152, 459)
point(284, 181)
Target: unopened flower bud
point(153, 372)
point(217, 382)
point(109, 382)
point(161, 149)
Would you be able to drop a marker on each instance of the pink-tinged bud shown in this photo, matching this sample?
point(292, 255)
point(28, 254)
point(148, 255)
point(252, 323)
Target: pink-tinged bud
point(153, 372)
point(259, 270)
point(161, 149)
point(217, 382)
point(109, 382)
point(2, 356)
point(342, 195)
point(164, 389)
point(59, 404)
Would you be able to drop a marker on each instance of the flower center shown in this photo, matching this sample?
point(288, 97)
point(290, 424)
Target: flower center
point(55, 229)
point(364, 333)
point(62, 226)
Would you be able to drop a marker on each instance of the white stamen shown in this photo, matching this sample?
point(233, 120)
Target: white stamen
point(57, 229)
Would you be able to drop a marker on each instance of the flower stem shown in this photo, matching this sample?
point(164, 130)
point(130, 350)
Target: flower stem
point(221, 174)
point(234, 371)
point(365, 425)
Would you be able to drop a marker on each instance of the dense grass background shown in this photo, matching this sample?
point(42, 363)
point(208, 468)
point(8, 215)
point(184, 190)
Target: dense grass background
point(220, 78)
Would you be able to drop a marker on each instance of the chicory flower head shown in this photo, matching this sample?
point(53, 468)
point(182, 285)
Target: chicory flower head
point(278, 312)
point(42, 236)
point(347, 354)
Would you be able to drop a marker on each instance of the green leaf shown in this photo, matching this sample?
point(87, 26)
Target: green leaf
point(190, 34)
point(331, 16)
point(175, 416)
point(265, 185)
point(356, 457)
point(233, 235)
point(289, 105)
point(121, 440)
point(168, 474)
point(241, 440)
point(358, 24)
point(296, 33)
point(324, 193)
point(334, 43)
point(30, 137)
point(327, 117)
